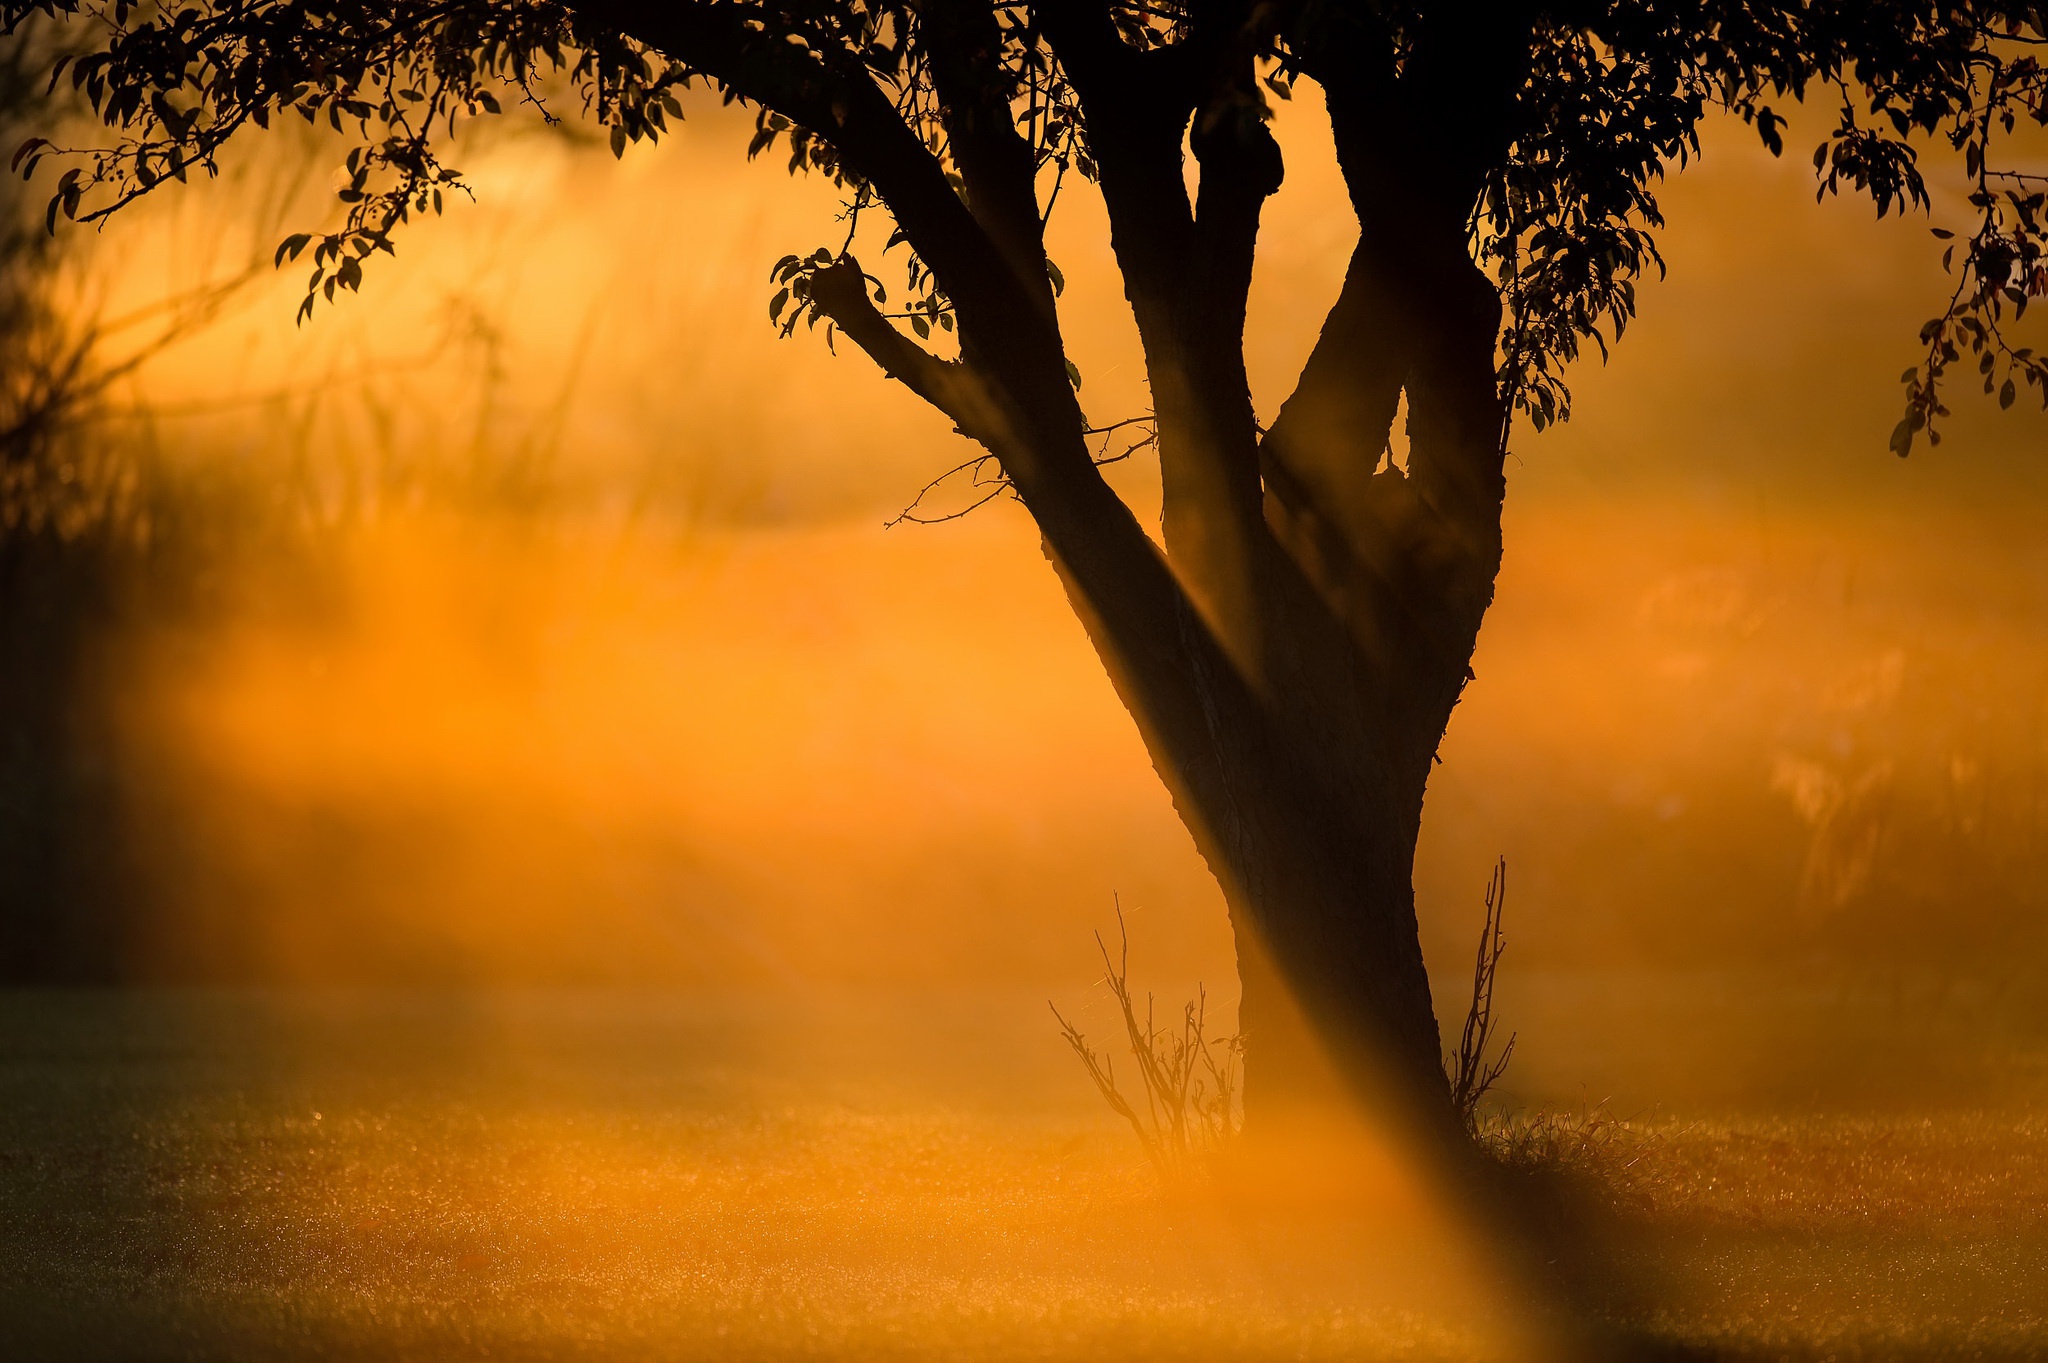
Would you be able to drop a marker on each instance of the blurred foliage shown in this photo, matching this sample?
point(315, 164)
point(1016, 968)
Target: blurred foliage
point(66, 534)
point(110, 524)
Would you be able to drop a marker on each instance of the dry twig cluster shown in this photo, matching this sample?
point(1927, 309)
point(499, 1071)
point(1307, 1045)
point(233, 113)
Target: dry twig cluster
point(1470, 1073)
point(1189, 1080)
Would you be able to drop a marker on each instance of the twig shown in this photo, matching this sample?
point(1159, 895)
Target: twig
point(1189, 1080)
point(1470, 1073)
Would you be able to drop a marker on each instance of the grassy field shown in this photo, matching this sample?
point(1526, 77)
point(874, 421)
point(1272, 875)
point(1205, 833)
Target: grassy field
point(655, 1177)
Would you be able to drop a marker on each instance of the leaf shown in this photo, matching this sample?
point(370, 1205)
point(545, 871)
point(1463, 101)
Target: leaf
point(776, 305)
point(289, 248)
point(2007, 394)
point(25, 149)
point(1074, 375)
point(1902, 438)
point(618, 140)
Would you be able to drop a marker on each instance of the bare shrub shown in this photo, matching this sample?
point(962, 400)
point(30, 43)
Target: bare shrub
point(1189, 1081)
point(1471, 1074)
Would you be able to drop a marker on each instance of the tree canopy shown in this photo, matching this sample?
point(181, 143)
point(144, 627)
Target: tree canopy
point(1547, 124)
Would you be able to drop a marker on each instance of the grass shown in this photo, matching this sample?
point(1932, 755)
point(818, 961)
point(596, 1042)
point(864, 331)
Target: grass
point(558, 1176)
point(1853, 1237)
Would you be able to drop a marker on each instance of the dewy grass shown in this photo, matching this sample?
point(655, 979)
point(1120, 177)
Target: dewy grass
point(439, 1176)
point(1588, 1141)
point(186, 1177)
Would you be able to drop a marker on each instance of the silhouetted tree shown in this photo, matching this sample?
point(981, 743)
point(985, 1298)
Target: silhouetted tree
point(1293, 653)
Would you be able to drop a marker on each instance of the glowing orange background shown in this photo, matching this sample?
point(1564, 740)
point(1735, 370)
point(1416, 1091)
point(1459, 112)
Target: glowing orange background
point(664, 701)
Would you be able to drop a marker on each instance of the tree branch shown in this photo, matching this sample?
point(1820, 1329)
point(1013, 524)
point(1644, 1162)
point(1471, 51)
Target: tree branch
point(1321, 450)
point(1022, 406)
point(1413, 147)
point(997, 165)
point(1095, 57)
point(745, 48)
point(840, 292)
point(1407, 559)
point(1186, 277)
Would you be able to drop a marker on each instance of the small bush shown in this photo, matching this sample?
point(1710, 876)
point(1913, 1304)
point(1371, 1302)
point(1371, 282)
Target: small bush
point(1189, 1080)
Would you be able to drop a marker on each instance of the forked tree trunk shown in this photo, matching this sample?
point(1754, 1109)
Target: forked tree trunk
point(1307, 808)
point(1293, 655)
point(1299, 758)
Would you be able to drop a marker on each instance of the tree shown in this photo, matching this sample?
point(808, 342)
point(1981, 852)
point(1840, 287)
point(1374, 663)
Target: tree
point(1293, 652)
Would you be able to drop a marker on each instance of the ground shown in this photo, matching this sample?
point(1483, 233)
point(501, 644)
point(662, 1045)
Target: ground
point(627, 1176)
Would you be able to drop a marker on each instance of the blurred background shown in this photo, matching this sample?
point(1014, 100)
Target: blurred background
point(530, 620)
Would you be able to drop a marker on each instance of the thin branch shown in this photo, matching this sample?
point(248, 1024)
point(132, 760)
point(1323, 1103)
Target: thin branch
point(839, 291)
point(1471, 1074)
point(1190, 1080)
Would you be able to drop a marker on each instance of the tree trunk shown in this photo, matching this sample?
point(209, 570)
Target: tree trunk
point(1300, 764)
point(1308, 818)
point(1292, 656)
point(1326, 1009)
point(1330, 960)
